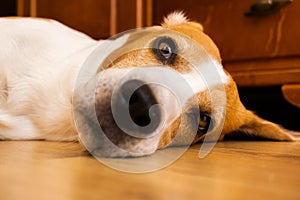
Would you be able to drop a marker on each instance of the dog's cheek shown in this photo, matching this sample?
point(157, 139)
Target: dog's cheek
point(169, 133)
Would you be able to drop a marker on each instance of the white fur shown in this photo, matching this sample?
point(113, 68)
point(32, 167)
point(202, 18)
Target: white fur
point(39, 60)
point(174, 19)
point(207, 75)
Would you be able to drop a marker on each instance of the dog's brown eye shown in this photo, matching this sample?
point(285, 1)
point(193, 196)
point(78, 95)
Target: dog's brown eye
point(165, 50)
point(204, 124)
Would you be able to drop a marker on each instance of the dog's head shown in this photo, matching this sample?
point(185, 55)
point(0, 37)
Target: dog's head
point(165, 85)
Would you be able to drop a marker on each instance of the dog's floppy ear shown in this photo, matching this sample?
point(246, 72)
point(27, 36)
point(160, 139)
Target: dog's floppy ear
point(259, 127)
point(240, 121)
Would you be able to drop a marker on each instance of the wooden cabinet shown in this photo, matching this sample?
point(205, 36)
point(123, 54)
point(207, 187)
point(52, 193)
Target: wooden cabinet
point(240, 37)
point(97, 18)
point(257, 51)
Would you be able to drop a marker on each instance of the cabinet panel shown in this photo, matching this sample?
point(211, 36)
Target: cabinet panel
point(89, 16)
point(237, 36)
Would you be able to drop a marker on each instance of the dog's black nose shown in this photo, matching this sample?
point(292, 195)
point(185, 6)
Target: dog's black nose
point(135, 108)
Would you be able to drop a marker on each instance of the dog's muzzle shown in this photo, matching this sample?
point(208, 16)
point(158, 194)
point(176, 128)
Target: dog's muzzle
point(125, 112)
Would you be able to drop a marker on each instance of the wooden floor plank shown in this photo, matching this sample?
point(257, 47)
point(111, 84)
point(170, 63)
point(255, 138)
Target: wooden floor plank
point(233, 170)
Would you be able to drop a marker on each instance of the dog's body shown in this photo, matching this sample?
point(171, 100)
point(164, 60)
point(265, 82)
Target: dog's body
point(40, 60)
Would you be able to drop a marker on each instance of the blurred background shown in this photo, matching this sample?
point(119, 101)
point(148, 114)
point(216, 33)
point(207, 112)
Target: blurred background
point(259, 42)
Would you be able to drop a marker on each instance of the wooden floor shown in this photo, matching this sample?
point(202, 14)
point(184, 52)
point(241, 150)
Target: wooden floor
point(233, 170)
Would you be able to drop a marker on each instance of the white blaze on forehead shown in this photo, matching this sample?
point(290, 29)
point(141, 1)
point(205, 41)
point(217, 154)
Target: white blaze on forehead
point(205, 76)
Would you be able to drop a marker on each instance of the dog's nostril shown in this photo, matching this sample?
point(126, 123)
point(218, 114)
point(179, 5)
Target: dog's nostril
point(140, 102)
point(137, 99)
point(133, 99)
point(139, 105)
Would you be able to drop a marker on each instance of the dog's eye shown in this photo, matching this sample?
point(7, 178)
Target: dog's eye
point(204, 124)
point(165, 49)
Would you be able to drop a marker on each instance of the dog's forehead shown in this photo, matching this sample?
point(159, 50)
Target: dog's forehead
point(139, 42)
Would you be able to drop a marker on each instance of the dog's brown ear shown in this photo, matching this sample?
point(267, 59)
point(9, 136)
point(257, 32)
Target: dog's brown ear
point(259, 127)
point(240, 121)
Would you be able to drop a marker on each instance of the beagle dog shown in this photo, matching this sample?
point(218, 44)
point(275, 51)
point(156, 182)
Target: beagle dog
point(42, 96)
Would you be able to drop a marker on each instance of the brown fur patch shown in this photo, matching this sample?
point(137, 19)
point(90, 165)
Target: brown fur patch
point(145, 57)
point(169, 134)
point(192, 30)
